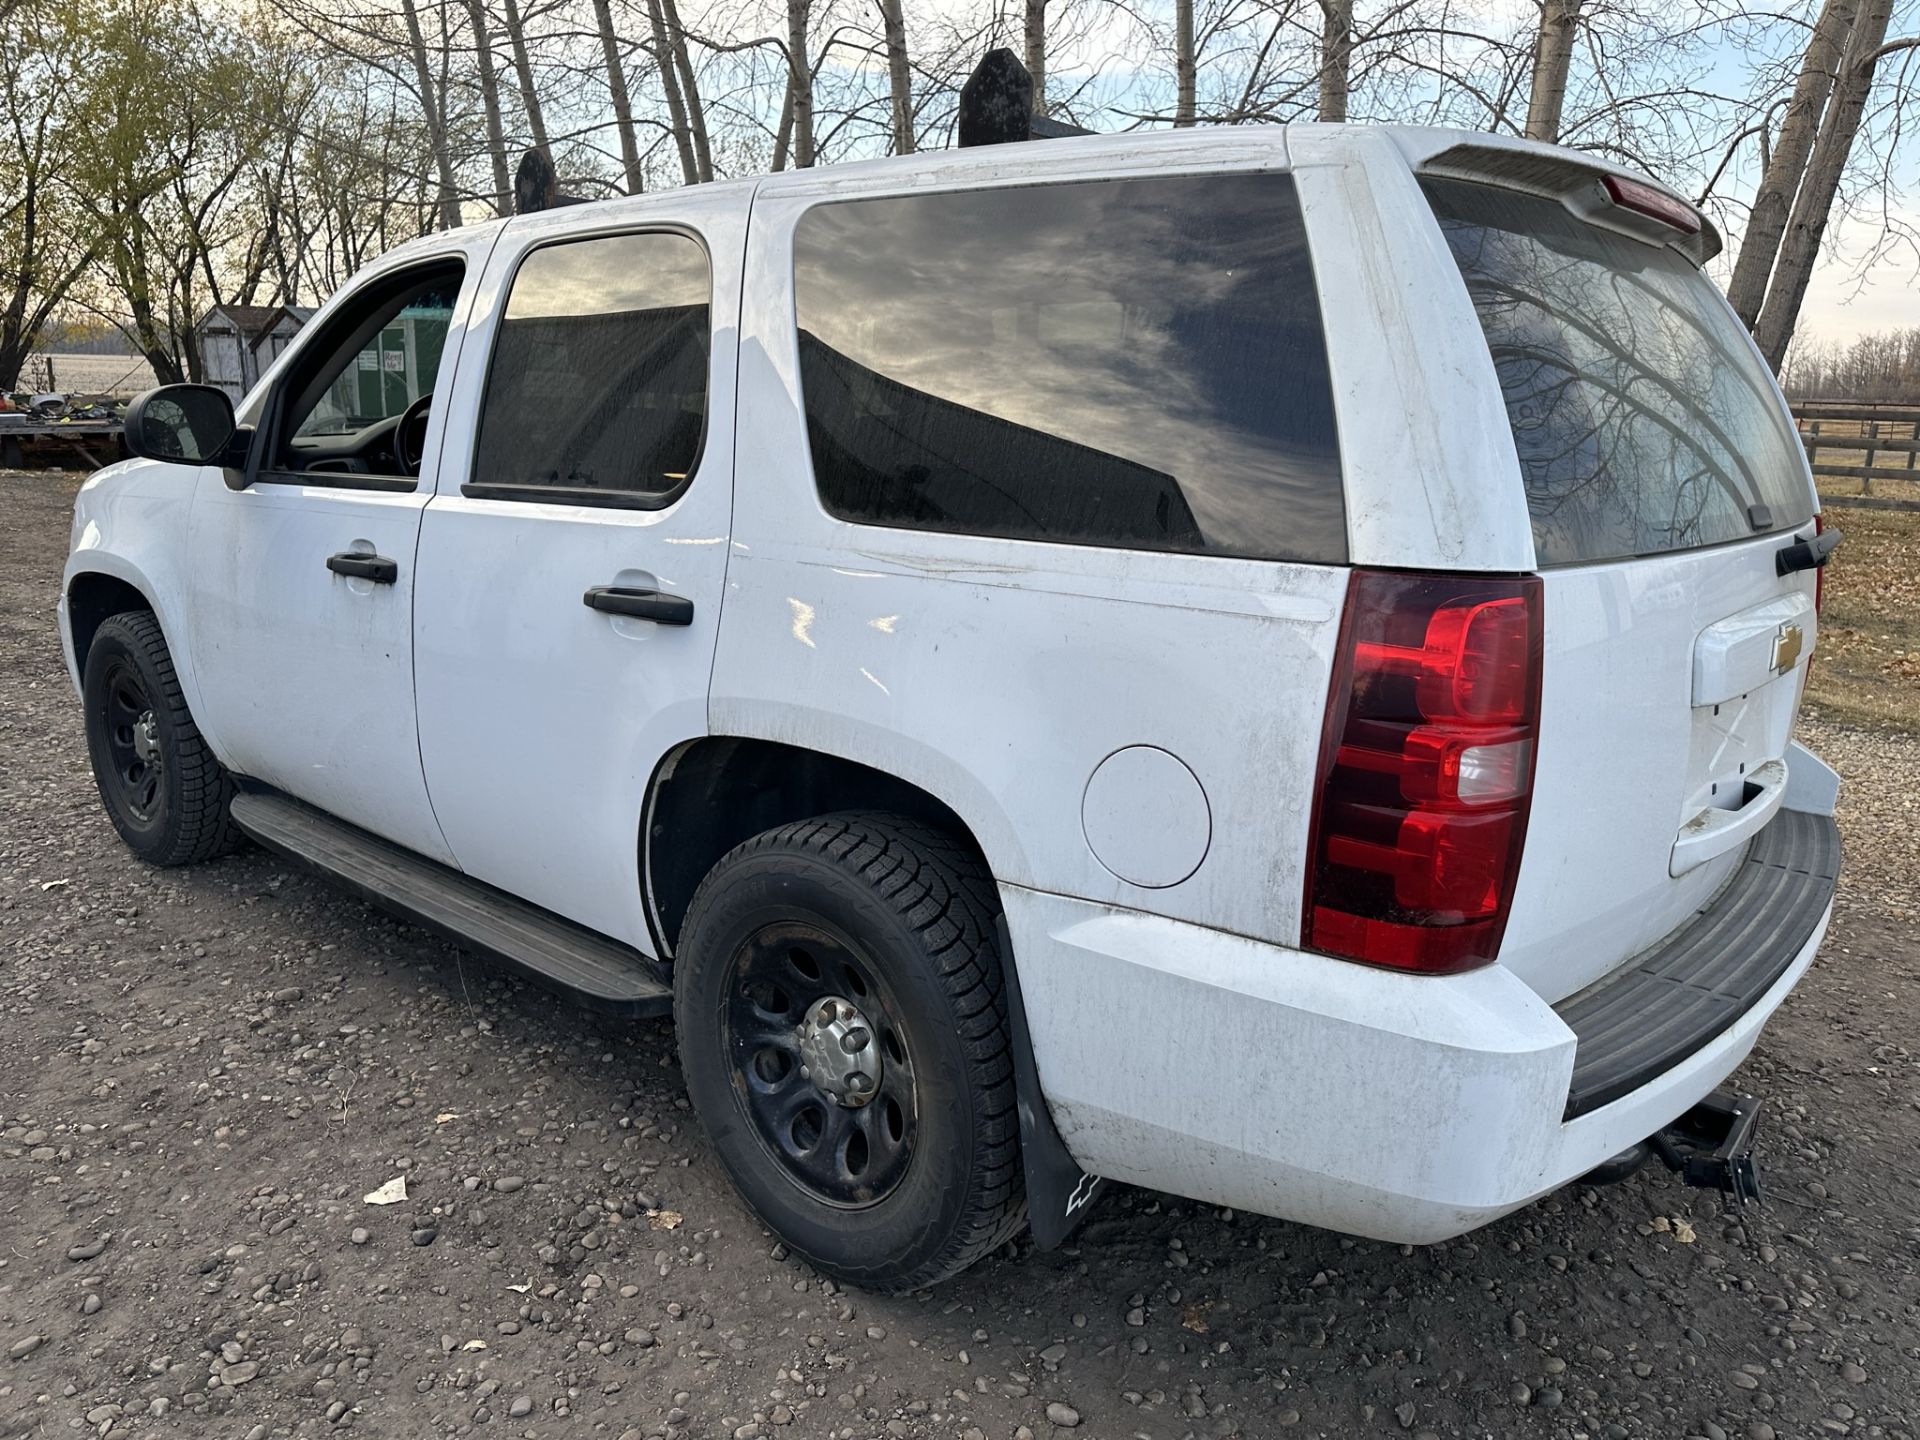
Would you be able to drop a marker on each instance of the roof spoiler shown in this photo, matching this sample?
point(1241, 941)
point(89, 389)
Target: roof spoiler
point(536, 186)
point(996, 105)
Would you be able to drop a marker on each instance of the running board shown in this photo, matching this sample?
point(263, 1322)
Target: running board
point(598, 969)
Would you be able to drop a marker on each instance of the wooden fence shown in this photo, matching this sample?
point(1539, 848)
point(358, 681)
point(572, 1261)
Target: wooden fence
point(1848, 440)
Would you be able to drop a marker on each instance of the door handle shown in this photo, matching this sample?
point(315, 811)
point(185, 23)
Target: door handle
point(376, 568)
point(641, 604)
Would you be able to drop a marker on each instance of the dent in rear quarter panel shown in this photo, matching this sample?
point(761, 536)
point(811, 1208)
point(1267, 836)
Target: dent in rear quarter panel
point(1432, 481)
point(999, 674)
point(130, 522)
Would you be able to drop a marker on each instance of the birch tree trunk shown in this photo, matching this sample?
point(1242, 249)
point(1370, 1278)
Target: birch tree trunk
point(449, 195)
point(490, 103)
point(1800, 247)
point(900, 77)
point(622, 101)
point(800, 82)
point(1336, 58)
point(783, 137)
point(689, 89)
point(1787, 165)
point(670, 82)
point(523, 72)
point(1037, 52)
point(1183, 62)
point(1552, 58)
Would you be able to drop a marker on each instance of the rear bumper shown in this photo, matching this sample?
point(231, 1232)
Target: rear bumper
point(1403, 1108)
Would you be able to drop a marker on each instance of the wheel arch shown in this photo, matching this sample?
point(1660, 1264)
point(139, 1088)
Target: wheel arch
point(94, 595)
point(710, 794)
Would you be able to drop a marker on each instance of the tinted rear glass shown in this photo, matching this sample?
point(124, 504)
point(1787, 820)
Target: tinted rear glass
point(1131, 362)
point(1644, 420)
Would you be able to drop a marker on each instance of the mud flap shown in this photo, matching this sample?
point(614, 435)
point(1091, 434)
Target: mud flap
point(1059, 1193)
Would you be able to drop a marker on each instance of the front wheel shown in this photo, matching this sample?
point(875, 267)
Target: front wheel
point(162, 787)
point(843, 1031)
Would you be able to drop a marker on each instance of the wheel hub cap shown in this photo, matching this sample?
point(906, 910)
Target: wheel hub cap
point(146, 740)
point(839, 1052)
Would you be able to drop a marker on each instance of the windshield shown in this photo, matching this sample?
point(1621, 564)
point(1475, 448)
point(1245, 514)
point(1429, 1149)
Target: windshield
point(1644, 420)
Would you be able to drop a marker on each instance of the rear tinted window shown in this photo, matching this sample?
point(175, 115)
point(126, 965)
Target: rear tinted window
point(1133, 363)
point(1643, 419)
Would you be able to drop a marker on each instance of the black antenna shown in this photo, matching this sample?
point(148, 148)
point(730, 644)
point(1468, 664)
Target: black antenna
point(536, 186)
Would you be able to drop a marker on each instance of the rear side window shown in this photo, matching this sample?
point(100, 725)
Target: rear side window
point(1643, 418)
point(598, 391)
point(1132, 363)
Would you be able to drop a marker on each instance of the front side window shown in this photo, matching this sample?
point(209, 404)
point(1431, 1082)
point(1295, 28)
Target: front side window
point(391, 370)
point(356, 399)
point(1643, 419)
point(598, 391)
point(1134, 363)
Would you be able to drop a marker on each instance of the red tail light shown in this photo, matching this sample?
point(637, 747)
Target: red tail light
point(1426, 770)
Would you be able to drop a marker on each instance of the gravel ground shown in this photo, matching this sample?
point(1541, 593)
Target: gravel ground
point(203, 1072)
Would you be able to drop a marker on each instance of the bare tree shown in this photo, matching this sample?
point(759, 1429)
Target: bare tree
point(1336, 57)
point(800, 81)
point(1552, 59)
point(523, 73)
point(621, 99)
point(1813, 205)
point(1186, 79)
point(490, 104)
point(1036, 48)
point(1787, 161)
point(676, 102)
point(430, 105)
point(900, 77)
point(689, 88)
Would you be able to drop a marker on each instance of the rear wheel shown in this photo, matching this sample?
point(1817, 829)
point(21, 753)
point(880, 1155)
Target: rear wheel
point(843, 1031)
point(162, 787)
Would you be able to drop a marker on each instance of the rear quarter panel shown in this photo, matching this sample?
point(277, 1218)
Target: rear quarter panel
point(999, 674)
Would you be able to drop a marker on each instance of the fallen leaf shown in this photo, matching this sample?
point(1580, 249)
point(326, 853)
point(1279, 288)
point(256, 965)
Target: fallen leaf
point(520, 1289)
point(1194, 1318)
point(391, 1193)
point(1659, 1223)
point(444, 1116)
point(665, 1219)
point(474, 1345)
point(1683, 1232)
point(53, 884)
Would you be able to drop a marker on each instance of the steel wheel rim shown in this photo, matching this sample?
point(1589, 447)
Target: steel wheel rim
point(848, 1155)
point(135, 761)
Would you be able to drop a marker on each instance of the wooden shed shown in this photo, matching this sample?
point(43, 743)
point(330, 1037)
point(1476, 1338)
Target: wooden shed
point(238, 342)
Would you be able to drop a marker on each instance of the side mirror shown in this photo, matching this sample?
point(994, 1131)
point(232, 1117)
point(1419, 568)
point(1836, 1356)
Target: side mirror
point(181, 422)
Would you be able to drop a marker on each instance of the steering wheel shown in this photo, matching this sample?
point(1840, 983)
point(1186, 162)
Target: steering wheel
point(410, 435)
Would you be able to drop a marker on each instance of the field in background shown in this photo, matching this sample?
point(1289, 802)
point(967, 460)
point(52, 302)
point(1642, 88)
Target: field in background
point(89, 374)
point(1867, 666)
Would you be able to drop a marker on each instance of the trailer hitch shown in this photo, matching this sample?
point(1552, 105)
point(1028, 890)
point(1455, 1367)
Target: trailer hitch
point(1711, 1146)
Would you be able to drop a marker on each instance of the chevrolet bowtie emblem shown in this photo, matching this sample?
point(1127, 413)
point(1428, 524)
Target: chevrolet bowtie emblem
point(1786, 648)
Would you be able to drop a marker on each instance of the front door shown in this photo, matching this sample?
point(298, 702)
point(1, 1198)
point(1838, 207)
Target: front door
point(572, 564)
point(303, 579)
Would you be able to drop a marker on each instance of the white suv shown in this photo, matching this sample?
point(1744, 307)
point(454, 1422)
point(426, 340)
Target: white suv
point(1257, 664)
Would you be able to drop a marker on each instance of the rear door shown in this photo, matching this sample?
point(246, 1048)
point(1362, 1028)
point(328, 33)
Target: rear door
point(571, 565)
point(1662, 478)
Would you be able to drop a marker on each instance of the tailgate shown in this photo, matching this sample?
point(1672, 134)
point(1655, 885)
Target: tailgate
point(1662, 477)
point(1666, 707)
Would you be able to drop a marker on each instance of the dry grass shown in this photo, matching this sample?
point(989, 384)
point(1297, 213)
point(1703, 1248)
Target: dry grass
point(1868, 666)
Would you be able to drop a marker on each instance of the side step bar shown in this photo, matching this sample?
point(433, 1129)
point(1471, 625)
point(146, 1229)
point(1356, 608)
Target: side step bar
point(598, 969)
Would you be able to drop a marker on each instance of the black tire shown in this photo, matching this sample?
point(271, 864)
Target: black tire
point(163, 789)
point(901, 918)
